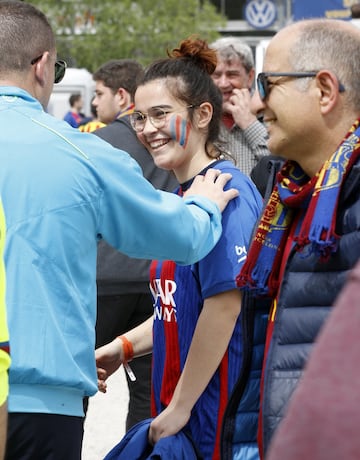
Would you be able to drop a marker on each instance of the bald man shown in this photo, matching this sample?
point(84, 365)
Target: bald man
point(308, 238)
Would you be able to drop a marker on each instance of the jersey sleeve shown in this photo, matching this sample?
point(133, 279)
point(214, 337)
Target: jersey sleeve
point(218, 270)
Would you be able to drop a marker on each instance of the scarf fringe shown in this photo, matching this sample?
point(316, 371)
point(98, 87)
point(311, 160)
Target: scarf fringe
point(256, 282)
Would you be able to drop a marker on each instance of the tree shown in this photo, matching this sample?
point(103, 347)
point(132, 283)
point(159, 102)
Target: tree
point(90, 32)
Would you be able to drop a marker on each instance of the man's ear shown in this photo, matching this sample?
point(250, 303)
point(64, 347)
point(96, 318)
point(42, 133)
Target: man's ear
point(204, 114)
point(124, 98)
point(329, 89)
point(42, 69)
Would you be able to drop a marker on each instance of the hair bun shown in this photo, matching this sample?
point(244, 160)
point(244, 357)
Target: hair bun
point(198, 51)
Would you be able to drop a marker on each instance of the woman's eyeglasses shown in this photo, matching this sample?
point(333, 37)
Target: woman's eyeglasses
point(157, 117)
point(60, 68)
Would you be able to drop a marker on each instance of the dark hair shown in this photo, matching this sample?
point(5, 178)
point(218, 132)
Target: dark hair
point(74, 98)
point(120, 73)
point(25, 33)
point(187, 73)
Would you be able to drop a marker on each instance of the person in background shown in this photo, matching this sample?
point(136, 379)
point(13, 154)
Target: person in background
point(195, 332)
point(62, 191)
point(4, 342)
point(244, 136)
point(308, 238)
point(115, 84)
point(94, 123)
point(123, 295)
point(74, 116)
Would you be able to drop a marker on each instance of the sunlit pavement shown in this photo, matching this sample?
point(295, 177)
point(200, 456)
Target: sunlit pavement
point(105, 420)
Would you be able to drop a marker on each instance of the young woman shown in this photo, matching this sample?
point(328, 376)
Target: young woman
point(195, 332)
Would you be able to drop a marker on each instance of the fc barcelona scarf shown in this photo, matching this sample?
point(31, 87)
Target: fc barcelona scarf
point(293, 190)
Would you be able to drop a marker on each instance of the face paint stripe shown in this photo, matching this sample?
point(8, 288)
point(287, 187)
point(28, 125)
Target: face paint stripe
point(180, 130)
point(183, 133)
point(172, 127)
point(178, 126)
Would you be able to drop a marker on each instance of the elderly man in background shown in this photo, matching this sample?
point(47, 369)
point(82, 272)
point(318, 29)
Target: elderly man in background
point(244, 135)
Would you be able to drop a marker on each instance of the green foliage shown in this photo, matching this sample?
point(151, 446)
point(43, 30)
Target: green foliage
point(91, 32)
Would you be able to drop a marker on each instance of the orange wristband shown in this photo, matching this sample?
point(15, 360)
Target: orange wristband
point(127, 347)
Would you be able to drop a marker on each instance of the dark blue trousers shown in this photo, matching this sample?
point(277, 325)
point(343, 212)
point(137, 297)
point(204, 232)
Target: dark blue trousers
point(44, 437)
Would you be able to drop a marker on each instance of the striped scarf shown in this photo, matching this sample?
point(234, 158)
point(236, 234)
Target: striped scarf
point(294, 190)
point(126, 111)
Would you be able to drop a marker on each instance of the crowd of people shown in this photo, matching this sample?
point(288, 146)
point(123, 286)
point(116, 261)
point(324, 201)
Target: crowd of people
point(203, 233)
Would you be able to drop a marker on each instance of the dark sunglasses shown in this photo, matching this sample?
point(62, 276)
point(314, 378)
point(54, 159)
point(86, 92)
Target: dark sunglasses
point(60, 68)
point(264, 85)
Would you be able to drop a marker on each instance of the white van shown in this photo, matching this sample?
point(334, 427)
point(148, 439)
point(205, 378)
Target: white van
point(75, 81)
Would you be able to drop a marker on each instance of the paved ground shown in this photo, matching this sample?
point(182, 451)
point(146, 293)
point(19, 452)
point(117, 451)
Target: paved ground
point(105, 421)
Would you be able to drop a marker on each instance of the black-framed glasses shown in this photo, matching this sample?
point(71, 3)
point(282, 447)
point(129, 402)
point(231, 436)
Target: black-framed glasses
point(264, 86)
point(157, 117)
point(60, 68)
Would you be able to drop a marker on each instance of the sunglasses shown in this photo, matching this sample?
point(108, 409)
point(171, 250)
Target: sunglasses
point(264, 86)
point(60, 68)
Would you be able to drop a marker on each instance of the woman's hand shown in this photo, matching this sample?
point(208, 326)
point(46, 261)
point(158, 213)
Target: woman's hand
point(169, 422)
point(108, 359)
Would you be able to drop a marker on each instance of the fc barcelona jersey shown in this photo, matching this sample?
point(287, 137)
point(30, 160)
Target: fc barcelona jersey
point(179, 293)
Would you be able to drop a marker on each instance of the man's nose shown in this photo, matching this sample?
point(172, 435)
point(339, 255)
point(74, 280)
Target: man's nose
point(223, 81)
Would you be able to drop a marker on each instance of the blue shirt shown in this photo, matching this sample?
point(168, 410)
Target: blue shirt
point(179, 293)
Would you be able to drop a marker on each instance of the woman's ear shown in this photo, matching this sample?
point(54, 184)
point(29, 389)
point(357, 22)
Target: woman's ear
point(204, 114)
